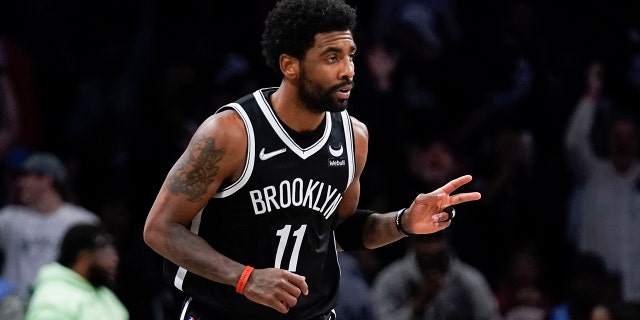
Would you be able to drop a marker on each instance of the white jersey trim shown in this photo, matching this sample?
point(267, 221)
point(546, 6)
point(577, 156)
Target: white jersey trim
point(303, 153)
point(348, 136)
point(182, 272)
point(185, 308)
point(251, 155)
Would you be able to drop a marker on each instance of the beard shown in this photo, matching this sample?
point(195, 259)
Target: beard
point(99, 277)
point(317, 99)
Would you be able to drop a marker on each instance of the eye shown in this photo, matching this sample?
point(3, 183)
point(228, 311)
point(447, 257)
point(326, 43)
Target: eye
point(332, 58)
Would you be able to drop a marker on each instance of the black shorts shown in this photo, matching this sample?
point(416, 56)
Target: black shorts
point(194, 311)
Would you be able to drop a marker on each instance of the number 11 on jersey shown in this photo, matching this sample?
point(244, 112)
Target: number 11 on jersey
point(283, 234)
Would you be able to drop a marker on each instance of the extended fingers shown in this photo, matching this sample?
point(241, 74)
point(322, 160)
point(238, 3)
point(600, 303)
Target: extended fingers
point(443, 195)
point(441, 200)
point(464, 197)
point(456, 183)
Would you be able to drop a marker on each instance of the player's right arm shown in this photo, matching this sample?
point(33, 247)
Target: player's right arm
point(215, 156)
point(208, 161)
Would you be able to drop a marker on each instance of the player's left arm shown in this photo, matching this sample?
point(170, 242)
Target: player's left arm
point(376, 229)
point(370, 230)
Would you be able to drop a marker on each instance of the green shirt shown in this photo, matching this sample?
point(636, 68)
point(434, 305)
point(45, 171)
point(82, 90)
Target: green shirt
point(60, 293)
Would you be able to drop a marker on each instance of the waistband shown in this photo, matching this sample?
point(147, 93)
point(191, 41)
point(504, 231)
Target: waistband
point(192, 310)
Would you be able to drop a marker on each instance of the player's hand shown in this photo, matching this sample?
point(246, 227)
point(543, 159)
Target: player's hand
point(275, 288)
point(426, 213)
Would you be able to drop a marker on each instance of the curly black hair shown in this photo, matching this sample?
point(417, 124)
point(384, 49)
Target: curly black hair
point(291, 26)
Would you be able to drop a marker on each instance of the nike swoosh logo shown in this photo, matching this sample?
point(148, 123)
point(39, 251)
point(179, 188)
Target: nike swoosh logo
point(266, 156)
point(335, 153)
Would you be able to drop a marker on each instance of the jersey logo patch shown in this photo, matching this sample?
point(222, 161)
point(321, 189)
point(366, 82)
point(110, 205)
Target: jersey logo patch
point(337, 162)
point(336, 152)
point(337, 159)
point(266, 156)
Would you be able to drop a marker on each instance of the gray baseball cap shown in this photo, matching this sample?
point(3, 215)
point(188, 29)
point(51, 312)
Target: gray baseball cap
point(44, 163)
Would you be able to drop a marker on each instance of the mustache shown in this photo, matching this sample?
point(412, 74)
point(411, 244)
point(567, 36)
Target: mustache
point(342, 84)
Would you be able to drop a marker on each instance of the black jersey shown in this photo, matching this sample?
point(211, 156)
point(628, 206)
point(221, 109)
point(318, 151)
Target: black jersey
point(280, 213)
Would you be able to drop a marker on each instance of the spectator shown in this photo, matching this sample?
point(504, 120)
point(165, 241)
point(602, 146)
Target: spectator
point(507, 218)
point(601, 312)
point(606, 198)
point(430, 282)
point(31, 228)
point(354, 297)
point(588, 290)
point(520, 291)
point(75, 287)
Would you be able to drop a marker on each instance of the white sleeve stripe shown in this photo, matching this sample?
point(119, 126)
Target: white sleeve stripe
point(182, 272)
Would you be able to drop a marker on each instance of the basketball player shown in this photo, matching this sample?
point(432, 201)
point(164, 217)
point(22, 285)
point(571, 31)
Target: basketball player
point(249, 216)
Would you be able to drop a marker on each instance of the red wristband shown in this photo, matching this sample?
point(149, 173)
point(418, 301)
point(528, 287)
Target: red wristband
point(244, 277)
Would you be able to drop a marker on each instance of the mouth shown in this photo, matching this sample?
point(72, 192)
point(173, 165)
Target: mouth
point(344, 92)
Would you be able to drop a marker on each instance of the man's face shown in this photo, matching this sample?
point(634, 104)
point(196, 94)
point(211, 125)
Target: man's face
point(104, 269)
point(29, 186)
point(433, 164)
point(325, 76)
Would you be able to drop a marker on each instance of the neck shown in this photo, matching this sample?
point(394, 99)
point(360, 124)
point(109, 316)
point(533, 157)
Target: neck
point(287, 105)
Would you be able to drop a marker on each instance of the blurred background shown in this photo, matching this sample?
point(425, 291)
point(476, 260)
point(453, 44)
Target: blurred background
point(446, 87)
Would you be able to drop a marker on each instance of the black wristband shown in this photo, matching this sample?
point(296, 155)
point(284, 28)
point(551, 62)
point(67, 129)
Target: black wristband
point(399, 223)
point(349, 232)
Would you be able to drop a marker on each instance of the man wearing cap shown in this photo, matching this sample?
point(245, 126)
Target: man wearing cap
point(32, 227)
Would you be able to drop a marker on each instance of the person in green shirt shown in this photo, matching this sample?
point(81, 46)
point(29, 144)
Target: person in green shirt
point(76, 285)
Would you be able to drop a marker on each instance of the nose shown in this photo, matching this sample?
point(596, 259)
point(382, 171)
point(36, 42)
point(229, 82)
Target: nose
point(348, 70)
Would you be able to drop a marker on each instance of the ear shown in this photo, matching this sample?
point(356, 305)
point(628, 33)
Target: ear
point(289, 66)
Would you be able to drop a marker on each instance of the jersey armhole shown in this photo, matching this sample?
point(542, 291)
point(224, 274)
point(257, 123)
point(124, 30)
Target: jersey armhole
point(248, 166)
point(350, 141)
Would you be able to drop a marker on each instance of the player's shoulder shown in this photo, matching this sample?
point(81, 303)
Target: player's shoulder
point(223, 131)
point(227, 118)
point(224, 124)
point(360, 129)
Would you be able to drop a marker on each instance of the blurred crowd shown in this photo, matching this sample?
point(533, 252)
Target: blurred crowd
point(538, 100)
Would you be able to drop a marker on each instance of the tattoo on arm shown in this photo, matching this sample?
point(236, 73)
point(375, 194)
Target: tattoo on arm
point(196, 169)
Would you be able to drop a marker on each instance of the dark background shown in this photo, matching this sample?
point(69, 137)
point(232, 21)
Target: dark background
point(117, 87)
